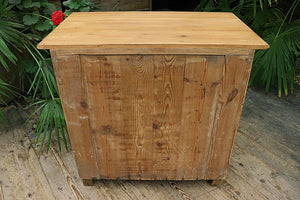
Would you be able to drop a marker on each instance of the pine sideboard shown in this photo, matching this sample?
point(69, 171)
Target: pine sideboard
point(152, 95)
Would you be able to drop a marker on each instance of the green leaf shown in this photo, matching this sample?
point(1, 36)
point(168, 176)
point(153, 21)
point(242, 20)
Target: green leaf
point(15, 2)
point(43, 26)
point(66, 3)
point(4, 49)
point(74, 5)
point(12, 40)
point(50, 6)
point(277, 63)
point(30, 4)
point(84, 9)
point(30, 19)
point(32, 36)
point(51, 115)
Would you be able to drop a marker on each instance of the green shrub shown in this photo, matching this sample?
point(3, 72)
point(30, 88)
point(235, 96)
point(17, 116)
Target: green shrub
point(79, 5)
point(12, 44)
point(34, 16)
point(23, 24)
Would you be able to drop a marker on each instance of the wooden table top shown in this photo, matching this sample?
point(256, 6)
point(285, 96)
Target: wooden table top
point(90, 30)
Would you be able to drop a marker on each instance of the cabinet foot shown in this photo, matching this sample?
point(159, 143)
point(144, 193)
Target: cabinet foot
point(88, 182)
point(217, 183)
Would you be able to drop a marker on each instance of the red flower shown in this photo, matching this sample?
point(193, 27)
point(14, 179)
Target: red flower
point(57, 17)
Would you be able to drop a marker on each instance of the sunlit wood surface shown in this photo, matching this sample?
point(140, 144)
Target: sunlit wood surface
point(152, 30)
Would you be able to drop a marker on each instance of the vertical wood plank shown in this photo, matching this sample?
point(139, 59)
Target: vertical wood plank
point(232, 94)
point(103, 90)
point(202, 82)
point(168, 90)
point(137, 96)
point(70, 83)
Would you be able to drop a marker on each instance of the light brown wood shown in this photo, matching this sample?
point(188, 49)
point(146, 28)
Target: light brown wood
point(152, 112)
point(202, 80)
point(67, 175)
point(152, 30)
point(152, 96)
point(88, 182)
point(167, 93)
point(21, 175)
point(141, 113)
point(103, 91)
point(230, 103)
point(71, 88)
point(217, 183)
point(137, 87)
point(157, 51)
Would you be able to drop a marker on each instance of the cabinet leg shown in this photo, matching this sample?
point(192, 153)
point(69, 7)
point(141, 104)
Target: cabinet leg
point(88, 182)
point(217, 183)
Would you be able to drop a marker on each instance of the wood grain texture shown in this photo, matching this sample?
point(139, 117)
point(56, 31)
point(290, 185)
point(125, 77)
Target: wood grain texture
point(152, 30)
point(147, 112)
point(167, 113)
point(161, 50)
point(152, 95)
point(202, 80)
point(67, 176)
point(137, 87)
point(153, 116)
point(230, 103)
point(70, 83)
point(21, 176)
point(103, 90)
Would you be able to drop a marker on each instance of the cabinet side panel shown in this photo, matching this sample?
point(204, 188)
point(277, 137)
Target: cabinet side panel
point(202, 80)
point(69, 78)
point(230, 103)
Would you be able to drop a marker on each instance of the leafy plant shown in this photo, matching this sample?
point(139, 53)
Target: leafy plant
point(79, 5)
point(51, 117)
point(18, 40)
point(45, 92)
point(277, 63)
point(12, 40)
point(35, 15)
point(274, 66)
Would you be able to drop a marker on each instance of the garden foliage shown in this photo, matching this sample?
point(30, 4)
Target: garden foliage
point(23, 24)
point(79, 5)
point(276, 65)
